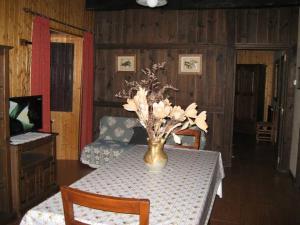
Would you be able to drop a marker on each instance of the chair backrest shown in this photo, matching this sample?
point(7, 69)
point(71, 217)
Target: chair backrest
point(190, 132)
point(71, 196)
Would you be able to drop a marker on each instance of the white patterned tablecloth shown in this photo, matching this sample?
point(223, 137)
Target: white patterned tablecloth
point(182, 194)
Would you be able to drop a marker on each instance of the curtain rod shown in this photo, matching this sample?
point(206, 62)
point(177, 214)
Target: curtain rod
point(26, 10)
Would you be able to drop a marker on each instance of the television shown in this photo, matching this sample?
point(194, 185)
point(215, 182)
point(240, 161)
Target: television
point(25, 114)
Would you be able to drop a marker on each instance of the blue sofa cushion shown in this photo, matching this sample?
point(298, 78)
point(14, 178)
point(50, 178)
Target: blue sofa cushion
point(102, 151)
point(117, 128)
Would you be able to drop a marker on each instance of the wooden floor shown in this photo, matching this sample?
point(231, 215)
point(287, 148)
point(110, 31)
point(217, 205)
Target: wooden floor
point(254, 193)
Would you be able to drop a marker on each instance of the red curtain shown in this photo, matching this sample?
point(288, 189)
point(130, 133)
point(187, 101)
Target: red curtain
point(87, 92)
point(40, 66)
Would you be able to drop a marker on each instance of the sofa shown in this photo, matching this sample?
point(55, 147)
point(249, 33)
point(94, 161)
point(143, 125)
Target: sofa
point(116, 136)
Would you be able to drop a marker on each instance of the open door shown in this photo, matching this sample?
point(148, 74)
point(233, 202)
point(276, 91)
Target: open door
point(279, 102)
point(66, 67)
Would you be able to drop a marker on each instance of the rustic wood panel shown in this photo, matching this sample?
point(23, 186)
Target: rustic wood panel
point(260, 57)
point(268, 26)
point(159, 26)
point(16, 24)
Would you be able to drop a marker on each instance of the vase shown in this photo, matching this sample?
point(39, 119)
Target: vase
point(155, 157)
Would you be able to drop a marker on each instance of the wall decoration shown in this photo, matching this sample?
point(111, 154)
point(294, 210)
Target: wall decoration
point(190, 64)
point(126, 63)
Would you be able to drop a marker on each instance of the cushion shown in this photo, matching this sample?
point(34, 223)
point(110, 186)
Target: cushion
point(139, 136)
point(102, 151)
point(117, 128)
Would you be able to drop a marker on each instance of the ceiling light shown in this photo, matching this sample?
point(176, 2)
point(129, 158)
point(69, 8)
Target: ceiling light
point(152, 3)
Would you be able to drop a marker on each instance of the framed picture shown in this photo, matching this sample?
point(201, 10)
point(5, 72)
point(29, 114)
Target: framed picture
point(126, 63)
point(190, 64)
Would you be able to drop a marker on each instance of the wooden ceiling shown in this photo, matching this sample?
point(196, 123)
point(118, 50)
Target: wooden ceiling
point(190, 4)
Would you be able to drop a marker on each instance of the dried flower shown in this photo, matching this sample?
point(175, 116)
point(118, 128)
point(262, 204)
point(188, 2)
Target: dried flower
point(155, 112)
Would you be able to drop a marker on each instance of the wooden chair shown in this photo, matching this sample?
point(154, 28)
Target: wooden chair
point(72, 196)
point(190, 132)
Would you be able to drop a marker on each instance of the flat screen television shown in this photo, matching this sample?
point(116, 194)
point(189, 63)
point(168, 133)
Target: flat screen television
point(25, 114)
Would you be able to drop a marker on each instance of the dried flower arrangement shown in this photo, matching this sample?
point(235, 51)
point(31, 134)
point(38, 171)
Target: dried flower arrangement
point(147, 98)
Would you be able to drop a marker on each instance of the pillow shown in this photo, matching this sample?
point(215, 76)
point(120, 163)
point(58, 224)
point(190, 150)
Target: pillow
point(139, 136)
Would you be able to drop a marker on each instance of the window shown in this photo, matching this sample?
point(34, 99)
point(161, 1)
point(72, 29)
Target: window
point(61, 64)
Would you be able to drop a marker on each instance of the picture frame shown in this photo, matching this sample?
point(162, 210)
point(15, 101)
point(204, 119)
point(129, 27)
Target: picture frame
point(190, 64)
point(126, 63)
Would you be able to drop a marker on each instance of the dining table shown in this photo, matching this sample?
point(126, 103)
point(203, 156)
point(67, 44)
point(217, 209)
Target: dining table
point(182, 193)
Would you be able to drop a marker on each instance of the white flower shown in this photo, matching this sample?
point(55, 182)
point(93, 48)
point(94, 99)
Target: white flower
point(140, 100)
point(191, 111)
point(200, 121)
point(177, 113)
point(161, 110)
point(130, 106)
point(176, 138)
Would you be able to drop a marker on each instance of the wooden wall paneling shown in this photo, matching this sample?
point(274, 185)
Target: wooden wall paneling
point(241, 26)
point(204, 90)
point(267, 25)
point(201, 81)
point(223, 35)
point(168, 29)
point(202, 26)
point(220, 77)
point(229, 90)
point(187, 26)
point(217, 135)
point(262, 23)
point(293, 25)
point(101, 82)
point(273, 26)
point(212, 26)
point(284, 15)
point(252, 25)
point(16, 24)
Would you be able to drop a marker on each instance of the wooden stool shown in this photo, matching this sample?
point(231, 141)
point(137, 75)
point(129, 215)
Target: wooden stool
point(264, 132)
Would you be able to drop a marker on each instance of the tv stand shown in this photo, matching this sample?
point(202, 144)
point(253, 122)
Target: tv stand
point(33, 170)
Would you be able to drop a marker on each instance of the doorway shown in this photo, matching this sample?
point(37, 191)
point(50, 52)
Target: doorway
point(259, 98)
point(66, 67)
point(253, 93)
point(249, 97)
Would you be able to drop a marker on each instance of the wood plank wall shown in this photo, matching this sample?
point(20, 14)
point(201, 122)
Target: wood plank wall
point(16, 24)
point(268, 27)
point(157, 35)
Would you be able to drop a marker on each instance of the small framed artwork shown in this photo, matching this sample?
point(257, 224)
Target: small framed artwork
point(126, 63)
point(190, 64)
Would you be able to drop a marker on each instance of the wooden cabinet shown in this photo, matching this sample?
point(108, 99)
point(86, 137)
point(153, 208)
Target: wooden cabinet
point(5, 199)
point(33, 169)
